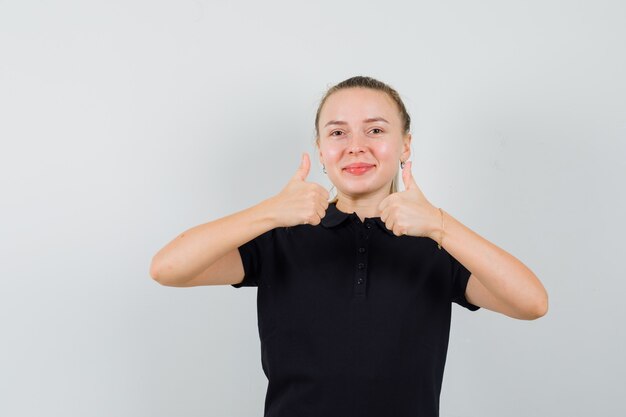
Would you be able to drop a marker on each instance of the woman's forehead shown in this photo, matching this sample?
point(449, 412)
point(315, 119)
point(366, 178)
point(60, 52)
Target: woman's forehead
point(359, 103)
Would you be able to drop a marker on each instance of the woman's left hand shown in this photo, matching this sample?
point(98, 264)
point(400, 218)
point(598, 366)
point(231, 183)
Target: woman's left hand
point(409, 212)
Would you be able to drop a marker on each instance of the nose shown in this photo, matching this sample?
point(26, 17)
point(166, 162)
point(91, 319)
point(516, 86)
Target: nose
point(357, 144)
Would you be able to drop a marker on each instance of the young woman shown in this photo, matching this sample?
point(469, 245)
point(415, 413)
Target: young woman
point(354, 295)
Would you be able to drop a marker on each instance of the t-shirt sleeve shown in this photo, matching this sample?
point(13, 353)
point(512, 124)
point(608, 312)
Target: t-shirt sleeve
point(252, 253)
point(460, 277)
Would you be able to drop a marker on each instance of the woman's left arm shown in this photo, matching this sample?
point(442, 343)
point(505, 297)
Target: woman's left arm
point(498, 281)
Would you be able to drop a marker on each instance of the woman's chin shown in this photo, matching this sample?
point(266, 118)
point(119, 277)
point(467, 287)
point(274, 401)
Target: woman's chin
point(356, 190)
point(359, 185)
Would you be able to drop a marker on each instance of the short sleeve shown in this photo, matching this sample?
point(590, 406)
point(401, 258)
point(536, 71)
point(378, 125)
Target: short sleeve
point(251, 254)
point(460, 277)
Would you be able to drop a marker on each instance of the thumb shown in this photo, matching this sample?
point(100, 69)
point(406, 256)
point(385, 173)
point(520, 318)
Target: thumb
point(407, 176)
point(304, 168)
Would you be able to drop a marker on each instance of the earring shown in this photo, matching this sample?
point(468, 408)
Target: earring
point(401, 164)
point(324, 169)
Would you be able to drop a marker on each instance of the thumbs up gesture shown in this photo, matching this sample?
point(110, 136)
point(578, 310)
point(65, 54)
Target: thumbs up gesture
point(409, 212)
point(300, 202)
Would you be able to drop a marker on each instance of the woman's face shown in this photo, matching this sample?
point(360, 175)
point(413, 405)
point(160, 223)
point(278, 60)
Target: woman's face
point(361, 141)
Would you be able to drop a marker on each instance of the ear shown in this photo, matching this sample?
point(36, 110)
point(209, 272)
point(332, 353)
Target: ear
point(320, 157)
point(406, 147)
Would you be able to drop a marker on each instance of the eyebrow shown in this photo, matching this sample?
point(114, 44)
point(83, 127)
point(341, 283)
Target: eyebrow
point(370, 120)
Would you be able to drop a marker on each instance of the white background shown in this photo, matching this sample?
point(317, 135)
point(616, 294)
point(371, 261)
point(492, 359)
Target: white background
point(124, 123)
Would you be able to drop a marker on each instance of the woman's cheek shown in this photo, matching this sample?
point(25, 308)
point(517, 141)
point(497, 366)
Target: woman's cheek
point(332, 153)
point(384, 151)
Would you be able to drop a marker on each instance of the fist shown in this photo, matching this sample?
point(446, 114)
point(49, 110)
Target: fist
point(409, 212)
point(300, 202)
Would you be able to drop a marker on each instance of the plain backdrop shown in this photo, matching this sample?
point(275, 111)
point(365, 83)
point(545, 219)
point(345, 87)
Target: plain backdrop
point(124, 123)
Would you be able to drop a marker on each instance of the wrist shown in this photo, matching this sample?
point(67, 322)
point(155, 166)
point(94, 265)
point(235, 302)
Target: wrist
point(266, 213)
point(437, 225)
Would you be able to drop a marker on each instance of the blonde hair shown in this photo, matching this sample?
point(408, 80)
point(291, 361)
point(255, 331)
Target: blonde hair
point(373, 84)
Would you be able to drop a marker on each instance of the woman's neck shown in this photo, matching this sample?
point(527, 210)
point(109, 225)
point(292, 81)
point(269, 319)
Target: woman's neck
point(364, 207)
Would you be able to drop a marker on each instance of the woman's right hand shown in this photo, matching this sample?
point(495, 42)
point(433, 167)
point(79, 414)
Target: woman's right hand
point(300, 202)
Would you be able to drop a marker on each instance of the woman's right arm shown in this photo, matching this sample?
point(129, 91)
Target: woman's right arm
point(208, 254)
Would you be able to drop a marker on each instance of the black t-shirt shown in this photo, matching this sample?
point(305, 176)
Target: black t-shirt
point(353, 320)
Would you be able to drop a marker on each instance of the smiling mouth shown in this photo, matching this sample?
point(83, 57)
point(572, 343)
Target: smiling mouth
point(358, 170)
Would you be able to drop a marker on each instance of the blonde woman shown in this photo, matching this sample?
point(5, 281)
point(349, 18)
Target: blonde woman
point(354, 294)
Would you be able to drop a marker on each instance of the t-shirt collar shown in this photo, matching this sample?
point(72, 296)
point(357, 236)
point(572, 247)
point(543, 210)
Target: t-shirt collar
point(335, 217)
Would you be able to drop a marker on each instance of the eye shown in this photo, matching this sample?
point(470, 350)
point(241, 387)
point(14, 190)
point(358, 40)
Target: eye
point(376, 131)
point(336, 133)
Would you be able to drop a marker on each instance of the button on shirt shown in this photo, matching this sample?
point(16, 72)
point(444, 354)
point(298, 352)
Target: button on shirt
point(353, 320)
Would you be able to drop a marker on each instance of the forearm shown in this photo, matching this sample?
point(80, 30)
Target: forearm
point(197, 248)
point(504, 276)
